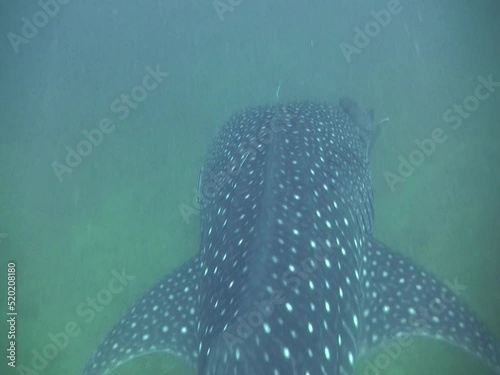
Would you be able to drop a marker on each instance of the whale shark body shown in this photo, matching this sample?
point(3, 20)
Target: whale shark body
point(289, 279)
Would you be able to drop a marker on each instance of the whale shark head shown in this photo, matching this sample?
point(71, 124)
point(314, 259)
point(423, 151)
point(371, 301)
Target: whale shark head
point(363, 119)
point(289, 279)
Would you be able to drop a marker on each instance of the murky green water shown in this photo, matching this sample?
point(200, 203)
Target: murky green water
point(118, 209)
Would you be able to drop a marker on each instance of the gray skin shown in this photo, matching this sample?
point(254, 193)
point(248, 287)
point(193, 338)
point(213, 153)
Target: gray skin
point(363, 118)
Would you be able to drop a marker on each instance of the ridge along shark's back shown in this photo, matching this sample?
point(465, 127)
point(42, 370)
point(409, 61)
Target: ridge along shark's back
point(289, 279)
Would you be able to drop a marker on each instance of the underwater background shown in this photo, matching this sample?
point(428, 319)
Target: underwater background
point(72, 223)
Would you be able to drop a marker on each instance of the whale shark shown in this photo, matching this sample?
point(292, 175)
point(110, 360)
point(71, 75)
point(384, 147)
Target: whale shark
point(289, 278)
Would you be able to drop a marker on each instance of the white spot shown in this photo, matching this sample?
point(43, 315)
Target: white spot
point(286, 352)
point(351, 358)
